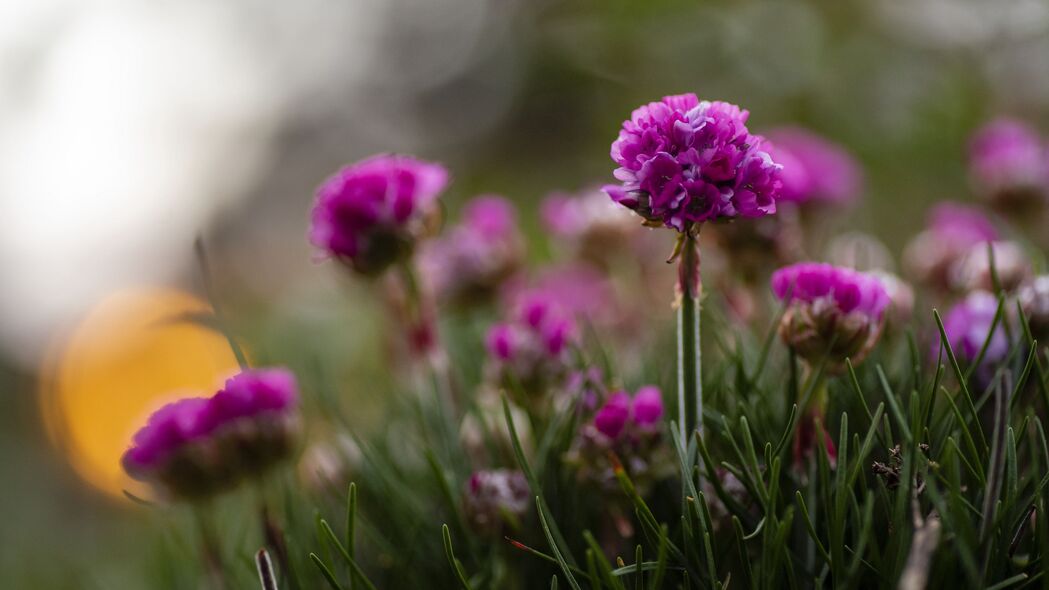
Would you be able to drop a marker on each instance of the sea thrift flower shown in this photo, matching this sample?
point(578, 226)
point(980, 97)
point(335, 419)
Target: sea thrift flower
point(472, 260)
point(973, 270)
point(951, 233)
point(815, 170)
point(683, 162)
point(594, 227)
point(1009, 164)
point(968, 326)
point(195, 447)
point(530, 352)
point(630, 427)
point(495, 501)
point(578, 289)
point(1034, 300)
point(370, 214)
point(832, 314)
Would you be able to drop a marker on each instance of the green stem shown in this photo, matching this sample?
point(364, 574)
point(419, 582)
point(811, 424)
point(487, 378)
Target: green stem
point(689, 374)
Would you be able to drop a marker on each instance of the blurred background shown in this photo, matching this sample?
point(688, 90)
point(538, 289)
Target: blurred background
point(128, 129)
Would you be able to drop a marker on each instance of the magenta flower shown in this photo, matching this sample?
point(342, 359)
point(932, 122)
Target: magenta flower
point(195, 447)
point(612, 417)
point(531, 350)
point(833, 313)
point(495, 501)
point(472, 260)
point(968, 326)
point(952, 231)
point(1009, 163)
point(370, 214)
point(630, 428)
point(814, 168)
point(682, 162)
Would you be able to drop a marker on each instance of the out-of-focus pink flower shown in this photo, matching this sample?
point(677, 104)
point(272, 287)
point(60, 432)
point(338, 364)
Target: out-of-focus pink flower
point(682, 162)
point(1009, 164)
point(530, 350)
point(952, 231)
point(1034, 300)
point(815, 170)
point(973, 270)
point(370, 214)
point(197, 446)
point(833, 313)
point(968, 326)
point(472, 260)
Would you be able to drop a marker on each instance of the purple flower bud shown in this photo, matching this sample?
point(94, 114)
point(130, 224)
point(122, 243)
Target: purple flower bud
point(369, 214)
point(612, 417)
point(531, 350)
point(833, 313)
point(682, 161)
point(814, 168)
point(493, 501)
point(500, 341)
point(1008, 164)
point(195, 447)
point(648, 406)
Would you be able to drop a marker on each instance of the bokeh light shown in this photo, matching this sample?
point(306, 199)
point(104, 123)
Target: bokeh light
point(135, 350)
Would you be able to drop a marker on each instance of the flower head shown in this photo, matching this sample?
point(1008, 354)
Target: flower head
point(814, 168)
point(629, 427)
point(833, 313)
point(1008, 164)
point(968, 327)
point(531, 350)
point(952, 231)
point(682, 162)
point(474, 258)
point(369, 214)
point(197, 446)
point(496, 500)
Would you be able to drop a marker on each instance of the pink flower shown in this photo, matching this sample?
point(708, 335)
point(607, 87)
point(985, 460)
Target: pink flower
point(814, 168)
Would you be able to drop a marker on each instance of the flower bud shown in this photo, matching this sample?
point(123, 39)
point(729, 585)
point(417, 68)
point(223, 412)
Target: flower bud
point(953, 230)
point(1009, 166)
point(832, 313)
point(1034, 300)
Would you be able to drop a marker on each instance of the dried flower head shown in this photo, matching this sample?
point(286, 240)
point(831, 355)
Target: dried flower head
point(833, 313)
point(195, 447)
point(495, 501)
point(370, 214)
point(1034, 301)
point(1009, 165)
point(973, 271)
point(682, 162)
point(815, 169)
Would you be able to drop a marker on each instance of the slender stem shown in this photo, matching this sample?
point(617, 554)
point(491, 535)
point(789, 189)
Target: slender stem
point(689, 374)
point(210, 548)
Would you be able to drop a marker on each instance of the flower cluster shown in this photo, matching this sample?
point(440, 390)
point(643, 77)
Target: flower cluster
point(1009, 164)
point(951, 233)
point(473, 259)
point(832, 314)
point(530, 353)
point(592, 225)
point(630, 427)
point(683, 162)
point(370, 214)
point(815, 170)
point(495, 501)
point(195, 447)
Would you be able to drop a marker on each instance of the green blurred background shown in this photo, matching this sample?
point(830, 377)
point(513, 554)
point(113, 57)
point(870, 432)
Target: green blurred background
point(127, 129)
